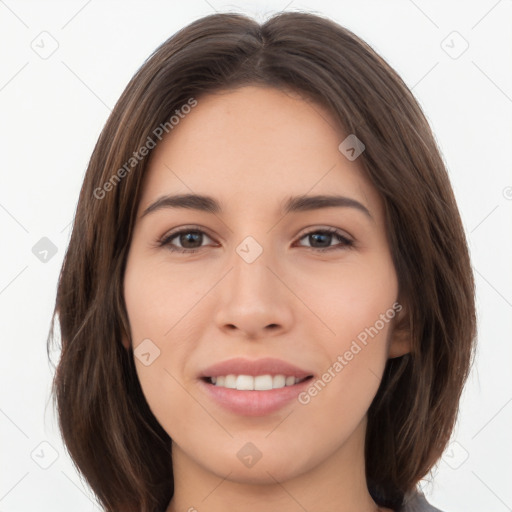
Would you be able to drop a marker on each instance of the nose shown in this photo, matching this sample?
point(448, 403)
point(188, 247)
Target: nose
point(253, 298)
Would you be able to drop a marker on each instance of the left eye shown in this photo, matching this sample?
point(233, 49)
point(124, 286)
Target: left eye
point(191, 240)
point(325, 236)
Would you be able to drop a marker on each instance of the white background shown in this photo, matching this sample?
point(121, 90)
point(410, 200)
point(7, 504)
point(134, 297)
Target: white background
point(52, 110)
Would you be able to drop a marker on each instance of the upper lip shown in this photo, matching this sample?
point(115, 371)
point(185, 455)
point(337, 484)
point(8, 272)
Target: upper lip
point(264, 366)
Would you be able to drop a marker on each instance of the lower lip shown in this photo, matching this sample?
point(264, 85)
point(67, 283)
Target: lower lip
point(254, 403)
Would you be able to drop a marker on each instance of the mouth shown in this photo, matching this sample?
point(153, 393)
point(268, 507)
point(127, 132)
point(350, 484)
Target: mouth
point(255, 383)
point(254, 387)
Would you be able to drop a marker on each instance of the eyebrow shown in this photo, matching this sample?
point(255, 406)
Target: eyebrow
point(292, 204)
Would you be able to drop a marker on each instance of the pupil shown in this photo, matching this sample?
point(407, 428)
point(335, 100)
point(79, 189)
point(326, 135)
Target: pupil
point(322, 235)
point(189, 237)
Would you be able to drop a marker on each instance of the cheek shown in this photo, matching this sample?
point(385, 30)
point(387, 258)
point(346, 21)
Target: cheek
point(353, 298)
point(158, 298)
point(358, 307)
point(356, 304)
point(160, 307)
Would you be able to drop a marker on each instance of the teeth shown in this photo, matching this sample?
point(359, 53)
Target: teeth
point(258, 383)
point(243, 382)
point(278, 381)
point(290, 381)
point(230, 381)
point(263, 382)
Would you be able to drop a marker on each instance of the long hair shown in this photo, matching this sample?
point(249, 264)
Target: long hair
point(111, 435)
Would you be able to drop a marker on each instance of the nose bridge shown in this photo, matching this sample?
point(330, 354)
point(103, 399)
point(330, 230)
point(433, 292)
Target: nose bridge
point(251, 261)
point(253, 297)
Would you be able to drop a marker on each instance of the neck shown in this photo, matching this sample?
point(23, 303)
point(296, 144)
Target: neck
point(337, 483)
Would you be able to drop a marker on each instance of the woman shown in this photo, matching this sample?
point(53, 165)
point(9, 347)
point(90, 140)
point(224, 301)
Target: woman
point(267, 300)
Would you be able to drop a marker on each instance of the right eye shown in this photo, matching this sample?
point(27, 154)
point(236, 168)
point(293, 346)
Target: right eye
point(189, 239)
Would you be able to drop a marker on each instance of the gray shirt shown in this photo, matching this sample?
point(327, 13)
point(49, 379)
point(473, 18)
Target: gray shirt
point(418, 503)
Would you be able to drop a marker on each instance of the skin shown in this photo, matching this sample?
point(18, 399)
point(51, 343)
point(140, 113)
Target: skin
point(251, 148)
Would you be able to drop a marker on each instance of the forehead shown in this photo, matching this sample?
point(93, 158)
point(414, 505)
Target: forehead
point(255, 143)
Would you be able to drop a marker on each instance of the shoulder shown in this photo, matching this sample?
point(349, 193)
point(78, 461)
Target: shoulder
point(417, 503)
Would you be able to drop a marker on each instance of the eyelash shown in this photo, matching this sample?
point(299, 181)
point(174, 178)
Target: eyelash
point(346, 243)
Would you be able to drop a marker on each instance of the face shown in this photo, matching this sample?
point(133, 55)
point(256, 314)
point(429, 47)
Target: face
point(253, 289)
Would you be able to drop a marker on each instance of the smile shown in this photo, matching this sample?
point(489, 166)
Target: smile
point(253, 388)
point(257, 383)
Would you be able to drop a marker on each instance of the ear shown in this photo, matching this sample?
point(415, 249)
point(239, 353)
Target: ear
point(125, 339)
point(125, 342)
point(400, 337)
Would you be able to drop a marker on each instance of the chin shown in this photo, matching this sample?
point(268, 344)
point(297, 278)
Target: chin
point(259, 461)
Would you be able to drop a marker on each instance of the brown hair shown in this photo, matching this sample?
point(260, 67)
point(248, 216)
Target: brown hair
point(107, 426)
